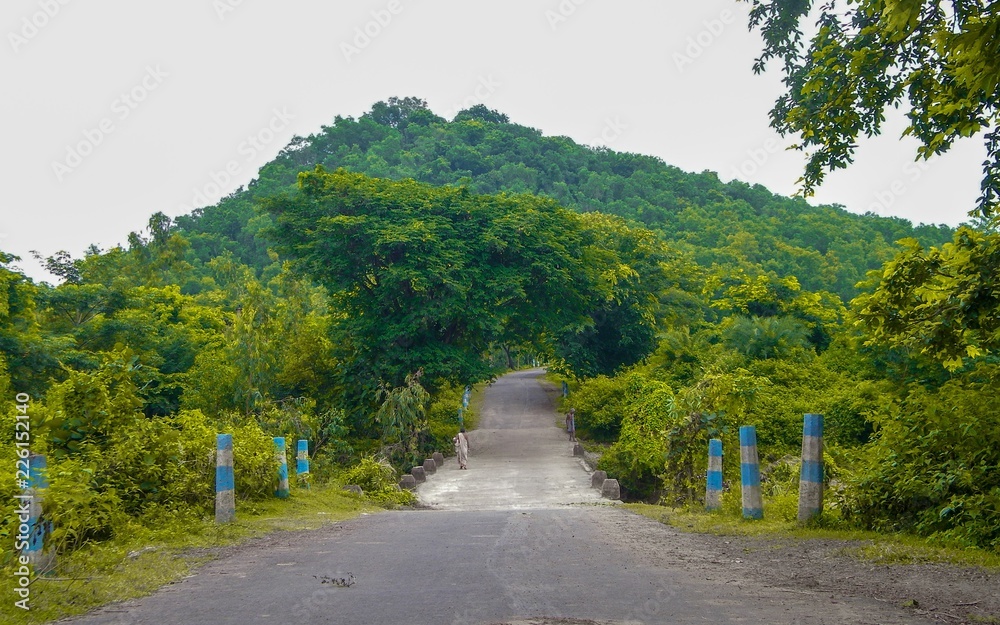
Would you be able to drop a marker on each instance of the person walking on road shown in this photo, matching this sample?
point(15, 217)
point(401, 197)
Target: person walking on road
point(571, 423)
point(462, 449)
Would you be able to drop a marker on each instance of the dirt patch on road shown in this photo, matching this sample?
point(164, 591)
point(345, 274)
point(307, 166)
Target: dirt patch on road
point(822, 568)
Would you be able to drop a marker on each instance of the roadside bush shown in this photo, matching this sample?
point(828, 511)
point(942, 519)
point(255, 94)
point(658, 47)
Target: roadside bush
point(600, 403)
point(638, 458)
point(442, 420)
point(379, 480)
point(932, 468)
point(255, 466)
point(77, 508)
point(166, 461)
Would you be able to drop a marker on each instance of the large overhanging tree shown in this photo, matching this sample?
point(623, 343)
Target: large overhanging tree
point(430, 277)
point(940, 61)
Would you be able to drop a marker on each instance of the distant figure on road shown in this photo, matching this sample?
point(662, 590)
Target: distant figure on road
point(571, 423)
point(462, 449)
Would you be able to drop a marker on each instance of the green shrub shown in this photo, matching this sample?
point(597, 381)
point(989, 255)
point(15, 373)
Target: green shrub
point(379, 480)
point(638, 458)
point(600, 403)
point(932, 468)
point(167, 461)
point(255, 467)
point(77, 508)
point(442, 421)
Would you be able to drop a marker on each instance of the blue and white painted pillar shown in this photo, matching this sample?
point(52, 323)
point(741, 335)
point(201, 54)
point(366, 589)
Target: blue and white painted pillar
point(465, 397)
point(713, 488)
point(279, 452)
point(225, 482)
point(302, 463)
point(37, 530)
point(811, 477)
point(565, 389)
point(753, 504)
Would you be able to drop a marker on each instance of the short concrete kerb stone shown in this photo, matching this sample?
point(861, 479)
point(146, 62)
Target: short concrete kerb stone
point(597, 479)
point(354, 488)
point(611, 490)
point(430, 467)
point(419, 474)
point(578, 450)
point(408, 482)
point(438, 458)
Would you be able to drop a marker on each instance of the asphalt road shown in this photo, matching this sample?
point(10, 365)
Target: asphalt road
point(518, 538)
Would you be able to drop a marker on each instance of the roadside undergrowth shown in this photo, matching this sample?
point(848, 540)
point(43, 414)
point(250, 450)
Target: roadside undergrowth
point(142, 558)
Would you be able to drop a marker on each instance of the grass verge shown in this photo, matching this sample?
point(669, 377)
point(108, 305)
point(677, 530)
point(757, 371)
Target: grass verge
point(872, 546)
point(141, 559)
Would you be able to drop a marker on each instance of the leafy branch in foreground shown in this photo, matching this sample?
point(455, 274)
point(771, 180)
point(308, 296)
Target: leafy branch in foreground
point(941, 60)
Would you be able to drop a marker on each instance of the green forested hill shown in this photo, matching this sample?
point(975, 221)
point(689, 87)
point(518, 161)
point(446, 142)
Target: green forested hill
point(732, 224)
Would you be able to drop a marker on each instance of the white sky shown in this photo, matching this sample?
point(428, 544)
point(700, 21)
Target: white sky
point(670, 79)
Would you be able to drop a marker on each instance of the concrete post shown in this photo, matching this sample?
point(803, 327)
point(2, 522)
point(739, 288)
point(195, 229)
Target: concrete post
point(610, 489)
point(811, 476)
point(38, 480)
point(302, 462)
point(713, 488)
point(753, 505)
point(597, 479)
point(430, 467)
point(279, 452)
point(225, 484)
point(565, 389)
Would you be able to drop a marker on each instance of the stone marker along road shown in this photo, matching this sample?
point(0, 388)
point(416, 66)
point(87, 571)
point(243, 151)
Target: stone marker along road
point(518, 538)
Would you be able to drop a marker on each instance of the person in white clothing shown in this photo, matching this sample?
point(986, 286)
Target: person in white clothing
point(462, 449)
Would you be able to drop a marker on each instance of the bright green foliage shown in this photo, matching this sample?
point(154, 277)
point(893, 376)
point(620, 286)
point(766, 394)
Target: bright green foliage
point(402, 416)
point(934, 466)
point(254, 462)
point(378, 479)
point(939, 59)
point(600, 404)
point(638, 458)
point(26, 354)
point(83, 412)
point(443, 422)
point(79, 509)
point(626, 274)
point(943, 303)
point(765, 337)
point(429, 278)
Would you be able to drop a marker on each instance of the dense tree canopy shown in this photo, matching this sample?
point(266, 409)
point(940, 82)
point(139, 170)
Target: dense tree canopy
point(431, 277)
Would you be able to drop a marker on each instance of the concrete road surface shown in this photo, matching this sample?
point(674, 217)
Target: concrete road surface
point(518, 538)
